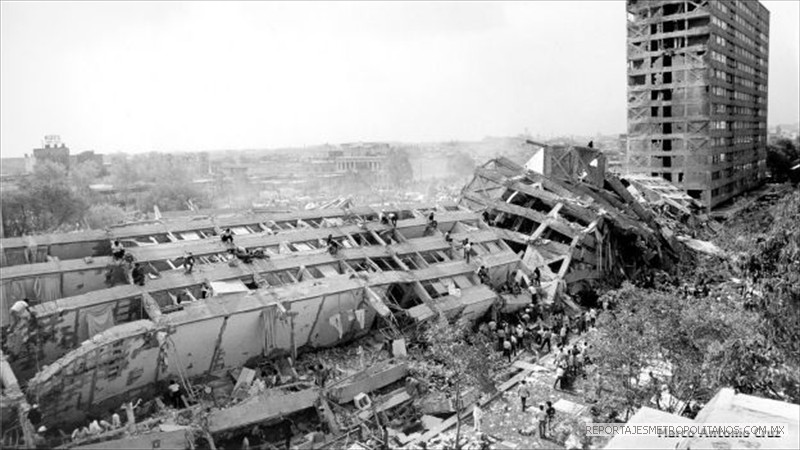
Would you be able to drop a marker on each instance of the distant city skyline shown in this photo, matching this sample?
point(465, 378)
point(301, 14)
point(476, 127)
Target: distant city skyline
point(139, 77)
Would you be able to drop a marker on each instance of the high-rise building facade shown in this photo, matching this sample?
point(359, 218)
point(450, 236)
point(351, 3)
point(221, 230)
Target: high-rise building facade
point(697, 94)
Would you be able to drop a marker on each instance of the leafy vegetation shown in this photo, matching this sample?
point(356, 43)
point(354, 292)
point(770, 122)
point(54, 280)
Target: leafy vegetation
point(743, 337)
point(780, 157)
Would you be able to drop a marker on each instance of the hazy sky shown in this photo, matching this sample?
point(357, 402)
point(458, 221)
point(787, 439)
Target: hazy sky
point(134, 76)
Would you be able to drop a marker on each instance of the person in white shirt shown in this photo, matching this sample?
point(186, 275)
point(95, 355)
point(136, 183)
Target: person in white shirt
point(477, 415)
point(94, 427)
point(20, 311)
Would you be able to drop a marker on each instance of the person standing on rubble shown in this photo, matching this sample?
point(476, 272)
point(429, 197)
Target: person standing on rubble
point(541, 421)
point(560, 372)
point(550, 413)
point(286, 431)
point(467, 249)
point(501, 336)
point(524, 393)
point(546, 337)
point(507, 349)
point(477, 415)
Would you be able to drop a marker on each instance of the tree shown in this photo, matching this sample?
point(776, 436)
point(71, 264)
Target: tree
point(83, 175)
point(780, 157)
point(44, 202)
point(399, 167)
point(467, 359)
point(705, 343)
point(102, 215)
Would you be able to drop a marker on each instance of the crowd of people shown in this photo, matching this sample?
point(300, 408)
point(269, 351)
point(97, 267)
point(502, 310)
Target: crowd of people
point(533, 330)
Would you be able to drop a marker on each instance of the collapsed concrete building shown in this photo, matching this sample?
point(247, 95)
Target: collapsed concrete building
point(570, 219)
point(102, 346)
point(99, 342)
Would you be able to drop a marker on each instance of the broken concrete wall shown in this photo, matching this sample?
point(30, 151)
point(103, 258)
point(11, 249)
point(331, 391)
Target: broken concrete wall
point(49, 284)
point(61, 328)
point(11, 395)
point(125, 359)
point(114, 363)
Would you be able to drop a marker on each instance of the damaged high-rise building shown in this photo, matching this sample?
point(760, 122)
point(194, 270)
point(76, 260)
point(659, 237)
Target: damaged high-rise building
point(697, 94)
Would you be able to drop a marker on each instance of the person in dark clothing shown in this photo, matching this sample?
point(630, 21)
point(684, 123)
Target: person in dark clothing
point(483, 275)
point(35, 416)
point(137, 274)
point(591, 144)
point(430, 217)
point(117, 250)
point(227, 236)
point(174, 393)
point(286, 431)
point(537, 277)
point(188, 262)
point(393, 219)
point(551, 415)
point(333, 246)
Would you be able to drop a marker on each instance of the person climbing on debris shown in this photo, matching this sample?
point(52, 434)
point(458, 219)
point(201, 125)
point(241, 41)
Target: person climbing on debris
point(483, 275)
point(20, 311)
point(205, 291)
point(227, 236)
point(537, 277)
point(117, 250)
point(333, 246)
point(174, 393)
point(35, 416)
point(242, 254)
point(137, 274)
point(393, 219)
point(188, 262)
